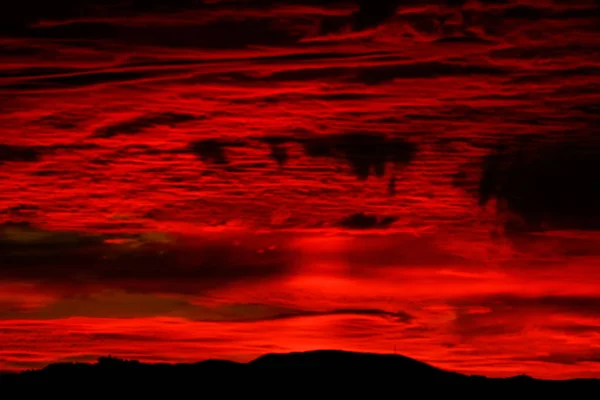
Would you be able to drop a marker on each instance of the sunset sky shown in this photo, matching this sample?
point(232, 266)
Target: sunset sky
point(188, 179)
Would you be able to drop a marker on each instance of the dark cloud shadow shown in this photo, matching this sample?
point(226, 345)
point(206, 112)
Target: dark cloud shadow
point(9, 153)
point(212, 151)
point(508, 314)
point(69, 262)
point(130, 305)
point(119, 23)
point(416, 70)
point(372, 13)
point(369, 75)
point(367, 154)
point(550, 185)
point(64, 120)
point(278, 153)
point(82, 80)
point(366, 221)
point(139, 124)
point(523, 12)
point(400, 316)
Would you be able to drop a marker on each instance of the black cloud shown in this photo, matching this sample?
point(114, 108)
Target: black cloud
point(278, 153)
point(221, 34)
point(143, 122)
point(366, 221)
point(84, 79)
point(212, 151)
point(372, 13)
point(517, 310)
point(523, 12)
point(9, 153)
point(367, 154)
point(569, 359)
point(547, 185)
point(463, 39)
point(370, 75)
point(64, 120)
point(382, 74)
point(400, 316)
point(581, 305)
point(72, 262)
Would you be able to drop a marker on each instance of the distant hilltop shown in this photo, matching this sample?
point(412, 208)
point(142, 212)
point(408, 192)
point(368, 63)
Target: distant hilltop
point(335, 370)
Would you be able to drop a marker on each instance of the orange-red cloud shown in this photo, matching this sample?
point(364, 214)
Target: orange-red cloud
point(178, 179)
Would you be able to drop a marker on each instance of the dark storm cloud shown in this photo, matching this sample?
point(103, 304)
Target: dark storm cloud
point(400, 316)
point(592, 109)
point(547, 185)
point(463, 39)
point(542, 52)
point(130, 305)
point(33, 154)
point(81, 80)
point(366, 221)
point(583, 305)
point(15, 50)
point(20, 208)
point(18, 235)
point(279, 154)
point(370, 75)
point(508, 314)
point(557, 74)
point(291, 97)
point(213, 151)
point(372, 13)
point(34, 72)
point(579, 305)
point(68, 147)
point(21, 14)
point(9, 153)
point(367, 154)
point(373, 254)
point(583, 14)
point(63, 120)
point(568, 358)
point(382, 74)
point(139, 124)
point(72, 262)
point(218, 27)
point(278, 151)
point(523, 12)
point(224, 33)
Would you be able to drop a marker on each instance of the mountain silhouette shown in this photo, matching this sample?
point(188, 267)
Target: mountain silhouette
point(308, 372)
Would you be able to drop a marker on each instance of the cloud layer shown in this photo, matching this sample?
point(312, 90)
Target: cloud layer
point(354, 174)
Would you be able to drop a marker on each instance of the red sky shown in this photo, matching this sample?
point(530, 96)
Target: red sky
point(230, 178)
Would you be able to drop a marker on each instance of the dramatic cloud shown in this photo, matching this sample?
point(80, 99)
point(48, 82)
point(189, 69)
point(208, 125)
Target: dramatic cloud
point(546, 185)
point(211, 151)
point(371, 14)
point(18, 154)
point(64, 261)
point(136, 125)
point(367, 154)
point(13, 235)
point(124, 305)
point(278, 153)
point(366, 221)
point(509, 314)
point(178, 178)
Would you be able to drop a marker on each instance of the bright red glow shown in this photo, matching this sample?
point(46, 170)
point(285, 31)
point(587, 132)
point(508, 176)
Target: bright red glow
point(235, 179)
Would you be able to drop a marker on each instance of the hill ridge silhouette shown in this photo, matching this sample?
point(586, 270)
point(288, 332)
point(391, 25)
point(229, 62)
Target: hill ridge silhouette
point(342, 370)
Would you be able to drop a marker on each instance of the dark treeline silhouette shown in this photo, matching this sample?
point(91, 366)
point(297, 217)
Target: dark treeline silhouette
point(341, 372)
